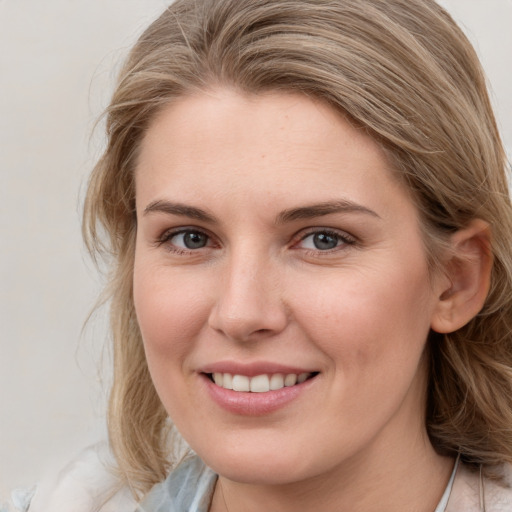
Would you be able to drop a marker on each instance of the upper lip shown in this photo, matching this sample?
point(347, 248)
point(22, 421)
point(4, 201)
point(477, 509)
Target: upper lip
point(252, 369)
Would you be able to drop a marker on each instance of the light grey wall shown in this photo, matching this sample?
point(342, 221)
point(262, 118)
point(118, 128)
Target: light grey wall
point(488, 23)
point(56, 61)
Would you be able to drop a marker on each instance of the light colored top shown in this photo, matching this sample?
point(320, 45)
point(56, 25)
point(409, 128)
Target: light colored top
point(88, 485)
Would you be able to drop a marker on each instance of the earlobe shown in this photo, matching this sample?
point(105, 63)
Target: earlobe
point(468, 274)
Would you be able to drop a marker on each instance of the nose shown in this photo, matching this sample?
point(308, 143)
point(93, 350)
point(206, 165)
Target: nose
point(249, 301)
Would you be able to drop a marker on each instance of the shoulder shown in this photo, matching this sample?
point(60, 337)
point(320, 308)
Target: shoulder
point(86, 484)
point(472, 492)
point(19, 502)
point(188, 487)
point(499, 493)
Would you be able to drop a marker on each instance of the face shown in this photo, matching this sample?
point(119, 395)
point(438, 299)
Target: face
point(280, 285)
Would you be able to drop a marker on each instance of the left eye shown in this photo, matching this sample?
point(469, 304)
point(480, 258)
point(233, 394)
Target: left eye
point(323, 241)
point(189, 240)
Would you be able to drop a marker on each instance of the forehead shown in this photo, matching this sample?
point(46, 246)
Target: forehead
point(280, 146)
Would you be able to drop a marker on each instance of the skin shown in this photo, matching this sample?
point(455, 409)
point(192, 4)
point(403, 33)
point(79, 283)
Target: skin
point(260, 290)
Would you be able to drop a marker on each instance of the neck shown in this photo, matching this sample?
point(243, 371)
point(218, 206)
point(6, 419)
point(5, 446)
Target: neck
point(412, 478)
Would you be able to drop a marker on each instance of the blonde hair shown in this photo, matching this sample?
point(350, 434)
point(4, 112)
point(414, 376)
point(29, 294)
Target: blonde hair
point(400, 69)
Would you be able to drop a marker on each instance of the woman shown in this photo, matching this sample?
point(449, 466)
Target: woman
point(307, 208)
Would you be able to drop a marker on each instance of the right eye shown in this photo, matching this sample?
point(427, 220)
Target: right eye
point(186, 240)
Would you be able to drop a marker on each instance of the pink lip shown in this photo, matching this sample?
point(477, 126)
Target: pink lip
point(254, 404)
point(251, 369)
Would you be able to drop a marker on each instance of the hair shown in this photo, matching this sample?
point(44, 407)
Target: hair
point(400, 69)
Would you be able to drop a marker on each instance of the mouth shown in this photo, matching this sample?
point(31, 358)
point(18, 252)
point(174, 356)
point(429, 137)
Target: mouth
point(259, 383)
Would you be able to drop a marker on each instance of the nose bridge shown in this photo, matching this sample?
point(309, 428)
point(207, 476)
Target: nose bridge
point(249, 299)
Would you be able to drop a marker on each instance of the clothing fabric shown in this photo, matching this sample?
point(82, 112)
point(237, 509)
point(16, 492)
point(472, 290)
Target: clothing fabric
point(189, 487)
point(89, 485)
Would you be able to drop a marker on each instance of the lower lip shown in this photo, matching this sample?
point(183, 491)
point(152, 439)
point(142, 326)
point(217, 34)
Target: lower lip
point(254, 404)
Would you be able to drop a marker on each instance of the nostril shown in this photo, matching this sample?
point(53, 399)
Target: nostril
point(243, 318)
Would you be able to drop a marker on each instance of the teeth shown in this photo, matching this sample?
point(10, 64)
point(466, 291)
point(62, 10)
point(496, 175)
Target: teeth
point(302, 377)
point(227, 381)
point(241, 383)
point(259, 383)
point(290, 380)
point(276, 381)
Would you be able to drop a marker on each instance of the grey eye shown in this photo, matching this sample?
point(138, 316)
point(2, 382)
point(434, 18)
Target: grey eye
point(325, 241)
point(321, 241)
point(190, 240)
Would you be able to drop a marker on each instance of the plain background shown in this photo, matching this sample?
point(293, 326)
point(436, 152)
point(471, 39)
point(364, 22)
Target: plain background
point(57, 64)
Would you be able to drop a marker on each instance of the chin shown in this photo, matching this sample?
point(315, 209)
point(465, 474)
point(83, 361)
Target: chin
point(271, 472)
point(252, 465)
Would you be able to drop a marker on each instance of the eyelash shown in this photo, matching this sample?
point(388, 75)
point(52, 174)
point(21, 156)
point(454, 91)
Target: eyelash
point(343, 238)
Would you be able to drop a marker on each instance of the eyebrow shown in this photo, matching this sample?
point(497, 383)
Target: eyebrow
point(179, 209)
point(290, 215)
point(321, 209)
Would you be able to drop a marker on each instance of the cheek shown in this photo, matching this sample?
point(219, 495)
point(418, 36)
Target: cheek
point(170, 313)
point(368, 319)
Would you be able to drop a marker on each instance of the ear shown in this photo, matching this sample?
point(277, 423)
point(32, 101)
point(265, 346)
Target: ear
point(467, 275)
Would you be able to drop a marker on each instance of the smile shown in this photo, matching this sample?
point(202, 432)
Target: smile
point(259, 383)
point(256, 389)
